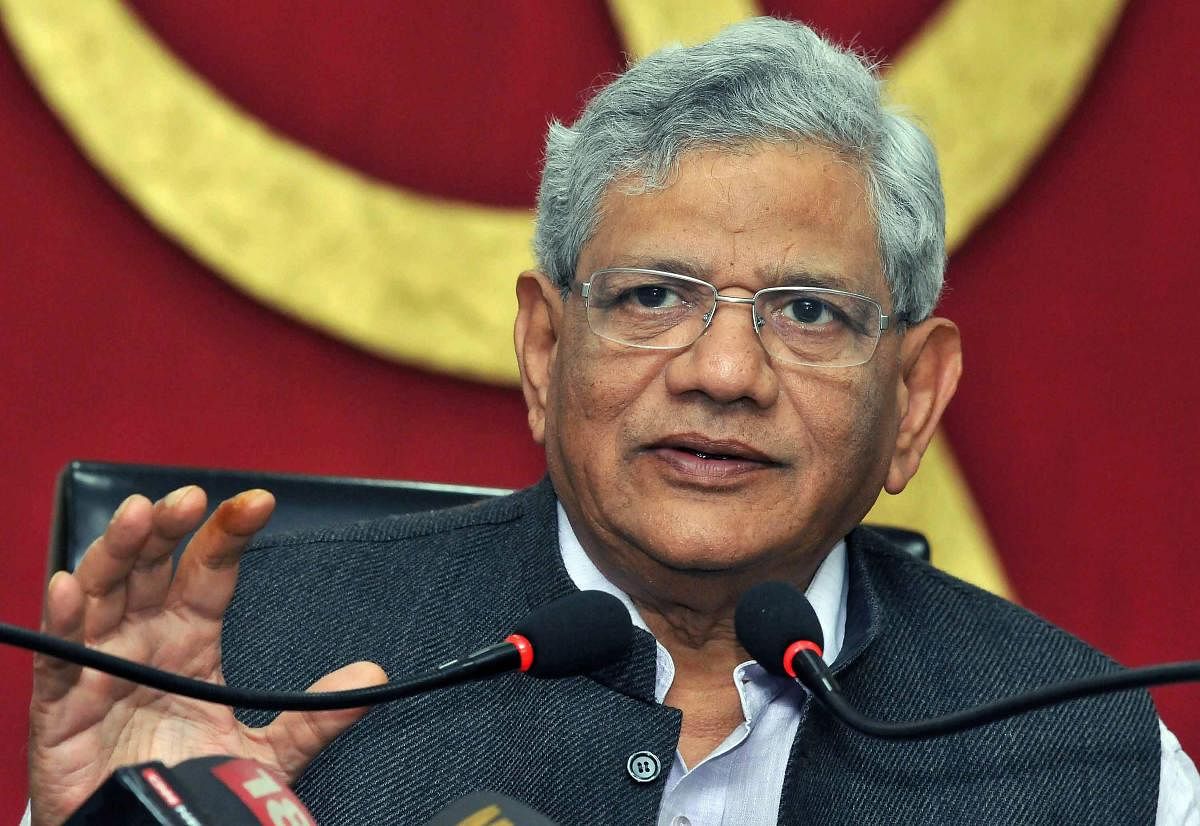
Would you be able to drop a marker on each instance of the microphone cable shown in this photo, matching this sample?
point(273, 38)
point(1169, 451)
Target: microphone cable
point(575, 634)
point(776, 624)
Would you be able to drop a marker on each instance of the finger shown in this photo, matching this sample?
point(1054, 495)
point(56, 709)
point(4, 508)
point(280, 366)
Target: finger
point(296, 737)
point(107, 562)
point(62, 617)
point(174, 517)
point(207, 572)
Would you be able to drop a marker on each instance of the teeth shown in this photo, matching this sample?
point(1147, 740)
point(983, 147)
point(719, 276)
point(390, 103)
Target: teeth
point(710, 455)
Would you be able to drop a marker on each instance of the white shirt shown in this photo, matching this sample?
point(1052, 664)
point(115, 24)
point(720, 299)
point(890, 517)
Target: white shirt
point(741, 782)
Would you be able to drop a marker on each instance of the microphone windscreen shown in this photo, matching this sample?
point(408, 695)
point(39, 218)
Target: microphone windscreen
point(485, 808)
point(578, 633)
point(769, 618)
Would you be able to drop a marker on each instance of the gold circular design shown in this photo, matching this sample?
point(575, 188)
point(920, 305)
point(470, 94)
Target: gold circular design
point(991, 82)
point(429, 281)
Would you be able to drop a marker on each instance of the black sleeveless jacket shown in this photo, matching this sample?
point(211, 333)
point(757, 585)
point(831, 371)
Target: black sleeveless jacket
point(412, 592)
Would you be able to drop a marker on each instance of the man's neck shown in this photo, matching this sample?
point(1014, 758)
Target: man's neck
point(689, 612)
point(694, 625)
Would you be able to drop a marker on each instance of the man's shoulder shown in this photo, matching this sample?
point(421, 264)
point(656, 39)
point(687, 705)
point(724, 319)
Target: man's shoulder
point(398, 591)
point(919, 598)
point(397, 565)
point(424, 532)
point(921, 644)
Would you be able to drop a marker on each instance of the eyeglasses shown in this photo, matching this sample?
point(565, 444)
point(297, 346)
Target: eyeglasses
point(657, 310)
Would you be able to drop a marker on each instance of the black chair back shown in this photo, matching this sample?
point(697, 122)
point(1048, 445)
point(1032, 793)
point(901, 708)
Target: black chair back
point(89, 492)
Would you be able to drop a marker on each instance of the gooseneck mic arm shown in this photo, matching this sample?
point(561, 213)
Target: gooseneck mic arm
point(495, 659)
point(578, 633)
point(814, 675)
point(778, 627)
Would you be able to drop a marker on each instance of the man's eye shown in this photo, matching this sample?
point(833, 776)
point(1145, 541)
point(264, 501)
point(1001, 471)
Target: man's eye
point(654, 297)
point(809, 311)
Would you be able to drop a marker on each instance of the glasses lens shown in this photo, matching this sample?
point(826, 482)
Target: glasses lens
point(647, 309)
point(819, 327)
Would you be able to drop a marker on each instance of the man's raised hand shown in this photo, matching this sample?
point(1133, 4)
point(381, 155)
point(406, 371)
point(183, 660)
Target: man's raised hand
point(123, 600)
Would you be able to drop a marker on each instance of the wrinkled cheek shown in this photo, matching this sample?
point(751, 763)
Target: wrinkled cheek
point(609, 381)
point(844, 414)
point(583, 407)
point(606, 402)
point(871, 435)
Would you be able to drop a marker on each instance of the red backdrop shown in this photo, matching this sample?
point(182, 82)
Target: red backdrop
point(1074, 424)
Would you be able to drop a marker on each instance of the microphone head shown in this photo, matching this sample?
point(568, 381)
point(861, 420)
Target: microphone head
point(770, 617)
point(578, 633)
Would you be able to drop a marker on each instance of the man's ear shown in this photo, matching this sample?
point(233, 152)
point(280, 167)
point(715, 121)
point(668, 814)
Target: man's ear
point(535, 335)
point(930, 364)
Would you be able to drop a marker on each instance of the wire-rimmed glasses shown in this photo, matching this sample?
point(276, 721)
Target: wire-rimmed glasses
point(658, 310)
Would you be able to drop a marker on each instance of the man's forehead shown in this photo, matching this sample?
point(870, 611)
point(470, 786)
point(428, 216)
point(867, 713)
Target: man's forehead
point(784, 214)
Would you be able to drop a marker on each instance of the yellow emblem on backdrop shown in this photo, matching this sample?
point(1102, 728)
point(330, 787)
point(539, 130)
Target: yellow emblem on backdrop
point(991, 81)
point(646, 26)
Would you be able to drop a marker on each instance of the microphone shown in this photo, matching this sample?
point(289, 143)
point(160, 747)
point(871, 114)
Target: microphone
point(776, 624)
point(484, 808)
point(204, 791)
point(575, 634)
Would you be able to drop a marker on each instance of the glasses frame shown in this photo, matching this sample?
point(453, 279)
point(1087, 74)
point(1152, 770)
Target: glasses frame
point(758, 321)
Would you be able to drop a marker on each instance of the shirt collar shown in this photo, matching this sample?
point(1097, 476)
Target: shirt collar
point(827, 592)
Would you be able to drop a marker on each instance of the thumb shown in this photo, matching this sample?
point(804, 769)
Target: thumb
point(297, 736)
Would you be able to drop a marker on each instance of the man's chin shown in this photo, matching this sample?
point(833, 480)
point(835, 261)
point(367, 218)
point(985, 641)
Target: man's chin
point(705, 554)
point(704, 568)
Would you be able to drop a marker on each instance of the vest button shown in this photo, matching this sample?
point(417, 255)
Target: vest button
point(643, 766)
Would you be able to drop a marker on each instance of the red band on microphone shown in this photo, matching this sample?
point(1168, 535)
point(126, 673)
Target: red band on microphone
point(524, 648)
point(794, 649)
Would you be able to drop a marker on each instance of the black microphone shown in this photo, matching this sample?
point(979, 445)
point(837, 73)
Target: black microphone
point(486, 808)
point(777, 626)
point(575, 634)
point(204, 791)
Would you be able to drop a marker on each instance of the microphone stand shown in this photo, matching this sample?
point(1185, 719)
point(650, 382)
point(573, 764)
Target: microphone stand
point(814, 675)
point(488, 662)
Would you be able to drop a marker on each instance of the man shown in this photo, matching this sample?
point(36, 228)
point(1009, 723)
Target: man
point(727, 351)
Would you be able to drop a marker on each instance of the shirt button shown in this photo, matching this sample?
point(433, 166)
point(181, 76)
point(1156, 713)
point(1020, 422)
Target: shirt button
point(643, 766)
point(680, 820)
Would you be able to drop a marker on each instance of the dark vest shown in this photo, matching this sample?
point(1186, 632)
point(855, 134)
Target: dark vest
point(411, 592)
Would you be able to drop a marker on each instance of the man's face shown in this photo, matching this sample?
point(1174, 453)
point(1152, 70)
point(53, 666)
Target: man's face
point(714, 457)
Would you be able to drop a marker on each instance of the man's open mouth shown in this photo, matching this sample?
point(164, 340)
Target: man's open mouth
point(716, 450)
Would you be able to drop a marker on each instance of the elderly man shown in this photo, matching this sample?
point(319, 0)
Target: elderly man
point(727, 351)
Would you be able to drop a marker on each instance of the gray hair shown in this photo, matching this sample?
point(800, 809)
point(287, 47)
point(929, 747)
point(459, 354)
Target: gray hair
point(762, 80)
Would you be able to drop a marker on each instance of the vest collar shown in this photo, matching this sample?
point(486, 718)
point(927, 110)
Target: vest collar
point(863, 606)
point(546, 579)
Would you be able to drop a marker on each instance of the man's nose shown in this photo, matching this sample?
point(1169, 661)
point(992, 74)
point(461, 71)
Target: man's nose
point(727, 362)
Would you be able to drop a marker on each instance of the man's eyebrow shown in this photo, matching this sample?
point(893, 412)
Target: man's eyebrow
point(772, 277)
point(810, 278)
point(678, 266)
